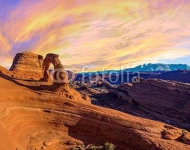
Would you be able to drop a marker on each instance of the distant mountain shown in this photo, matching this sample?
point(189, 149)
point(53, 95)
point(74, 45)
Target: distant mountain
point(159, 67)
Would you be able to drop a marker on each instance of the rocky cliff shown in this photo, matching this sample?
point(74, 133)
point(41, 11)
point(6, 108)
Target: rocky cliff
point(167, 101)
point(28, 64)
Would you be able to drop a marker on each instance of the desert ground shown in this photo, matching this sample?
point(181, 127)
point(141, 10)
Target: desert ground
point(35, 116)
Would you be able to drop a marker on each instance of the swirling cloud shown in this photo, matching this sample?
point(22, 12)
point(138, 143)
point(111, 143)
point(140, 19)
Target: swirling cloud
point(99, 34)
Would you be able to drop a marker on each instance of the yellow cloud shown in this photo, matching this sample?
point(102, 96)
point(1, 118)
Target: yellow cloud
point(4, 44)
point(93, 31)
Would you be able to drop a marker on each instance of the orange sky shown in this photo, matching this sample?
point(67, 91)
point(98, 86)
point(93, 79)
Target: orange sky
point(99, 34)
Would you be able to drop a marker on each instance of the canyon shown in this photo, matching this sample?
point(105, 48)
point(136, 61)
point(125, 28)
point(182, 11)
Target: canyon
point(166, 101)
point(36, 114)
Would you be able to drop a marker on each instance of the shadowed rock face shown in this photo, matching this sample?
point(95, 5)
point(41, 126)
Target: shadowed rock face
point(178, 75)
point(168, 100)
point(28, 64)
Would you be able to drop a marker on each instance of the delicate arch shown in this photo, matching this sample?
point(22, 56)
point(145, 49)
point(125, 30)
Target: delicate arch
point(60, 75)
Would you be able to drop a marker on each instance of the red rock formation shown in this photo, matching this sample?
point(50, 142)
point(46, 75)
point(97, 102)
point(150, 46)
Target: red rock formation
point(28, 64)
point(169, 101)
point(3, 70)
point(172, 133)
point(38, 119)
point(59, 76)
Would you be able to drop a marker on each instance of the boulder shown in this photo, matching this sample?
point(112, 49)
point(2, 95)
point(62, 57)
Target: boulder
point(86, 98)
point(186, 138)
point(28, 64)
point(172, 133)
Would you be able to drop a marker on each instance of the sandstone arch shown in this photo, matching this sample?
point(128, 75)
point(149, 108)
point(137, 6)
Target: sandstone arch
point(60, 75)
point(60, 78)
